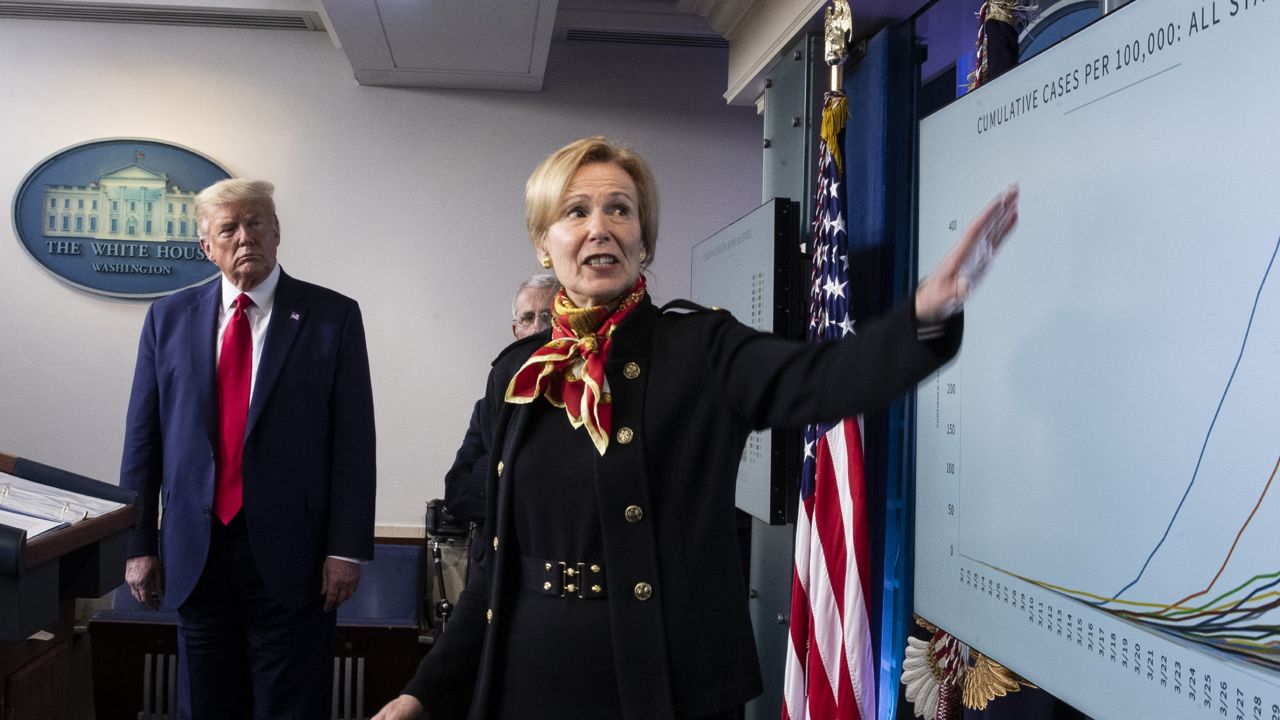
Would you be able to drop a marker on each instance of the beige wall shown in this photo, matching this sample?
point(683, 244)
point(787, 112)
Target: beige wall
point(407, 200)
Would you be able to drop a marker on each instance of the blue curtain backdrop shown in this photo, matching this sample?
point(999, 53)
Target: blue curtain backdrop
point(879, 178)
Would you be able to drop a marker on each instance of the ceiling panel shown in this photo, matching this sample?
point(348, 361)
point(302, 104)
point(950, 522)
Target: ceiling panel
point(478, 35)
point(471, 44)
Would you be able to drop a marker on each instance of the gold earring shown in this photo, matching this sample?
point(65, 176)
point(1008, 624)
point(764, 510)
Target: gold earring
point(546, 261)
point(644, 254)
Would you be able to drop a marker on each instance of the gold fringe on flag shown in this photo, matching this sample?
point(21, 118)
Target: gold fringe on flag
point(835, 114)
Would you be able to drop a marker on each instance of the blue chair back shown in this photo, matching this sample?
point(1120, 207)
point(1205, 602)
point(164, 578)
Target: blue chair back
point(390, 589)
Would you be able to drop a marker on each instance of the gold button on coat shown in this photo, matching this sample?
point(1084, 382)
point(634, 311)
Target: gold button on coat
point(488, 615)
point(495, 542)
point(500, 466)
point(631, 371)
point(643, 591)
point(625, 435)
point(633, 513)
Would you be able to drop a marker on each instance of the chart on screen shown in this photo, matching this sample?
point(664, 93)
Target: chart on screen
point(1097, 504)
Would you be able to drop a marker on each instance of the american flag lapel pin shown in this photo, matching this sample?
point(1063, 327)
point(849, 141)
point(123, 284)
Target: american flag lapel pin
point(294, 316)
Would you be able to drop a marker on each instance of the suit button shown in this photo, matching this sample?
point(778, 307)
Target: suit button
point(488, 615)
point(633, 514)
point(625, 435)
point(643, 591)
point(495, 543)
point(631, 371)
point(500, 466)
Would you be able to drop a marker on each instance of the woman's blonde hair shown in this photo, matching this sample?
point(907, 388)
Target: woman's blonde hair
point(545, 189)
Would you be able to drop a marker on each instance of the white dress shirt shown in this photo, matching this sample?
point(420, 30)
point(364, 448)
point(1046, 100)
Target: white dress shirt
point(263, 296)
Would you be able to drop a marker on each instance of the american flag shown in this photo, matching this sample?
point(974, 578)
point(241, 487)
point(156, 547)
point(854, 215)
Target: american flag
point(830, 666)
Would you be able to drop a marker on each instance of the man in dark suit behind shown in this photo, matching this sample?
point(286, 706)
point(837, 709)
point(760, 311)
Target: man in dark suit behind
point(464, 483)
point(251, 424)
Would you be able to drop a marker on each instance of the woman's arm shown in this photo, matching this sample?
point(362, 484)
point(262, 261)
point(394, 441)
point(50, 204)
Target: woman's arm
point(772, 382)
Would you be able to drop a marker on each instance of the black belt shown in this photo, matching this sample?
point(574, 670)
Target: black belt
point(559, 578)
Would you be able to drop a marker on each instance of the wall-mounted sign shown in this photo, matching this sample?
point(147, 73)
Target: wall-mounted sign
point(117, 217)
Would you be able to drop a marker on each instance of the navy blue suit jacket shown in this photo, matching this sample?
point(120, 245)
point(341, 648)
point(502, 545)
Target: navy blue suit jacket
point(309, 473)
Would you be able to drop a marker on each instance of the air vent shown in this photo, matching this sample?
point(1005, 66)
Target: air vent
point(159, 15)
point(643, 38)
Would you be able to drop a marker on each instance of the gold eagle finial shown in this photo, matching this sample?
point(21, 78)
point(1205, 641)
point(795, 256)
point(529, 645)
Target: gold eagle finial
point(985, 680)
point(838, 29)
point(934, 671)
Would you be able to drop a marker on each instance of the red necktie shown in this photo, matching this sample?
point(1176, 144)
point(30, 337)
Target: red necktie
point(235, 366)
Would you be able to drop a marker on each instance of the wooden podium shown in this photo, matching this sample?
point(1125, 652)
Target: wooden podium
point(39, 581)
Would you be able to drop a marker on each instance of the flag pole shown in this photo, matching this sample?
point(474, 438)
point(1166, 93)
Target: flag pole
point(837, 26)
point(830, 664)
point(838, 31)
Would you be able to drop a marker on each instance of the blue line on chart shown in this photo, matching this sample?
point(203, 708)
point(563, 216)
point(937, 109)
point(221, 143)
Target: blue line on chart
point(1208, 434)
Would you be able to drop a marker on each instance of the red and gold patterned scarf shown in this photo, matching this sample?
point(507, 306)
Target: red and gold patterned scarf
point(569, 370)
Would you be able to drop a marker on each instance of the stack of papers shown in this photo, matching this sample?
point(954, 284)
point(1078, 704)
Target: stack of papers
point(33, 525)
point(39, 508)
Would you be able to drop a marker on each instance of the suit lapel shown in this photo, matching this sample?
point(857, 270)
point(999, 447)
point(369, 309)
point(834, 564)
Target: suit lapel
point(287, 315)
point(202, 329)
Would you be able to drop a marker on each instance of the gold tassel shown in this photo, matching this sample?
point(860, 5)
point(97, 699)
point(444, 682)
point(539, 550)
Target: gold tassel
point(834, 117)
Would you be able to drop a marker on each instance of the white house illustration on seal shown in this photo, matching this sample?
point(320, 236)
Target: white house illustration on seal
point(131, 203)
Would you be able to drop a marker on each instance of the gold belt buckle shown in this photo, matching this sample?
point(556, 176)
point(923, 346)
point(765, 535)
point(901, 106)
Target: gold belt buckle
point(571, 579)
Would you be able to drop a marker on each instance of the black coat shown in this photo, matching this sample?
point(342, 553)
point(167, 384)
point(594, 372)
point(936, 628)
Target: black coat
point(464, 483)
point(704, 382)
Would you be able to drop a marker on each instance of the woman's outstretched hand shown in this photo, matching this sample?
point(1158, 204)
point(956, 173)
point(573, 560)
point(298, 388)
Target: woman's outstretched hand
point(943, 293)
point(404, 707)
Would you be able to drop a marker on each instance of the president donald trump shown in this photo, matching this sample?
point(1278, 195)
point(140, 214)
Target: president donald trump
point(250, 442)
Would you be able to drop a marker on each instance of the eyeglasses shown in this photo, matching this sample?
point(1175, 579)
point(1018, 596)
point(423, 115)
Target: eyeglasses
point(542, 317)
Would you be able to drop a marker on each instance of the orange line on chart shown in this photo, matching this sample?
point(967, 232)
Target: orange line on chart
point(1230, 552)
point(1226, 608)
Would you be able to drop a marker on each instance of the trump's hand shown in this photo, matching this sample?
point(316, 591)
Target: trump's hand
point(943, 293)
point(405, 707)
point(340, 580)
point(146, 579)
